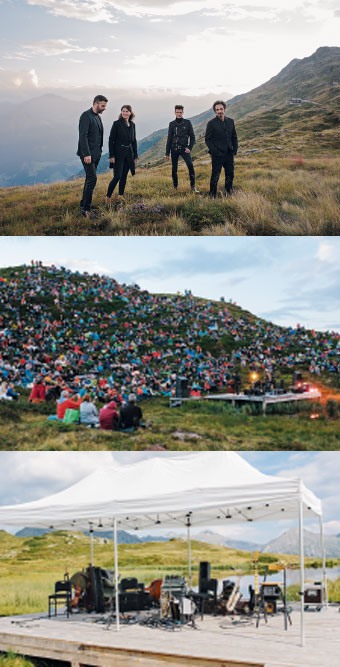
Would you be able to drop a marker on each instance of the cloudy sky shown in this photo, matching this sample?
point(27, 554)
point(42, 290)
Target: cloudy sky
point(288, 280)
point(191, 46)
point(26, 476)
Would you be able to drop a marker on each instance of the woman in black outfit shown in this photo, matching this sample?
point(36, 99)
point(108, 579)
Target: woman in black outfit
point(122, 150)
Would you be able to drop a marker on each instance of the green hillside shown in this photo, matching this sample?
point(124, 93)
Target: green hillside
point(266, 113)
point(86, 324)
point(286, 180)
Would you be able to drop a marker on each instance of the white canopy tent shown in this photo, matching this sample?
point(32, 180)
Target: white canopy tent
point(191, 489)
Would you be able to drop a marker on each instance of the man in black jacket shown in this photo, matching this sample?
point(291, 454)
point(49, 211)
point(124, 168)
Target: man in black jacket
point(90, 146)
point(181, 139)
point(221, 139)
point(130, 415)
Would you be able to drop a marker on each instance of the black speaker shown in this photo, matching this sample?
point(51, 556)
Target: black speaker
point(297, 377)
point(182, 390)
point(204, 577)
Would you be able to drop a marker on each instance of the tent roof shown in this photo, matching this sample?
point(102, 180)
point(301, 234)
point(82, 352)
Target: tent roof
point(212, 488)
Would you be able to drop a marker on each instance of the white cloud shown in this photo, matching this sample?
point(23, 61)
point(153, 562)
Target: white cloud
point(326, 252)
point(26, 476)
point(34, 76)
point(84, 264)
point(56, 47)
point(321, 474)
point(25, 80)
point(104, 10)
point(86, 10)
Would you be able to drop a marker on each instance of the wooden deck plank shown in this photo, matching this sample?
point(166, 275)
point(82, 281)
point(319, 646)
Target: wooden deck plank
point(81, 640)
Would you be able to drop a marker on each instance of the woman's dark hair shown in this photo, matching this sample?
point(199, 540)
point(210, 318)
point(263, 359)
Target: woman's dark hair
point(129, 108)
point(219, 102)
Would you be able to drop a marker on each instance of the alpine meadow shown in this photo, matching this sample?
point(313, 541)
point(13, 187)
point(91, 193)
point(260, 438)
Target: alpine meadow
point(287, 172)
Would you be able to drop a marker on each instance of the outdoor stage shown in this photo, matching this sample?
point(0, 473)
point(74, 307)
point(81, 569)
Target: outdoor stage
point(217, 642)
point(266, 399)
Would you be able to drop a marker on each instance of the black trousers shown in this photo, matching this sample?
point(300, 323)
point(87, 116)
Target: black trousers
point(120, 171)
point(188, 161)
point(217, 162)
point(90, 184)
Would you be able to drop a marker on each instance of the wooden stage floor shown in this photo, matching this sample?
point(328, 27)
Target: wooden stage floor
point(217, 642)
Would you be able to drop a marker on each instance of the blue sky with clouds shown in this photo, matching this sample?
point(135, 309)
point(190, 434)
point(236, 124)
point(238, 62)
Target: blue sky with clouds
point(288, 280)
point(26, 476)
point(191, 46)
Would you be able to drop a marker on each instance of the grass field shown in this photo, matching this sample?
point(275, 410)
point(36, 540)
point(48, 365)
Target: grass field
point(196, 425)
point(30, 566)
point(12, 660)
point(275, 194)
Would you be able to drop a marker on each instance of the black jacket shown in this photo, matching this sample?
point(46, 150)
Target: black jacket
point(130, 416)
point(91, 135)
point(122, 135)
point(221, 137)
point(180, 135)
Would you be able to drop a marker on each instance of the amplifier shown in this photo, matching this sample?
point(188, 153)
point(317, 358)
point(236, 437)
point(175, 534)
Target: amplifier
point(182, 390)
point(271, 593)
point(313, 593)
point(172, 592)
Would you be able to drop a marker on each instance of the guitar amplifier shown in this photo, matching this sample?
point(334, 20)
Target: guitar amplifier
point(313, 593)
point(271, 594)
point(172, 592)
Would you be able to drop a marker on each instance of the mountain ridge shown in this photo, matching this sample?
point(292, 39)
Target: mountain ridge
point(286, 543)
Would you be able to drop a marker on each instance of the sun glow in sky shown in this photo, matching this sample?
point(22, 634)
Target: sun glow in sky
point(190, 46)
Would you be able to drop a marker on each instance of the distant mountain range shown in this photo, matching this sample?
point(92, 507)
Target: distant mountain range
point(287, 543)
point(123, 536)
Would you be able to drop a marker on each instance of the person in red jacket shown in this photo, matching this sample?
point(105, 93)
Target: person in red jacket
point(108, 416)
point(37, 394)
point(64, 403)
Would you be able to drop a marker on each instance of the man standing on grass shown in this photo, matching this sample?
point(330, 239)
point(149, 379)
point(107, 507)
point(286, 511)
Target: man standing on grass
point(221, 139)
point(181, 139)
point(91, 134)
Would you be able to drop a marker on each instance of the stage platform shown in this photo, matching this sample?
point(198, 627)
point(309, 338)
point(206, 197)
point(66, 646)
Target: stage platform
point(83, 641)
point(266, 399)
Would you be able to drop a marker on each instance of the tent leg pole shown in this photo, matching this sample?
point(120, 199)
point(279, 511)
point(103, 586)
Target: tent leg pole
point(302, 582)
point(189, 553)
point(324, 576)
point(116, 572)
point(91, 546)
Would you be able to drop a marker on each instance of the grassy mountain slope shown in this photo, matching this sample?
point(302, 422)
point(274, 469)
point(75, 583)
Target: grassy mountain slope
point(286, 178)
point(196, 425)
point(266, 110)
point(310, 78)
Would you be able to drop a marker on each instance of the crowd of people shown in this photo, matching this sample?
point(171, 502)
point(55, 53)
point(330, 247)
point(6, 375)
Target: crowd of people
point(102, 342)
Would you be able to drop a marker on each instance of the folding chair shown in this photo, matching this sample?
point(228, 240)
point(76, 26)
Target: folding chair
point(62, 593)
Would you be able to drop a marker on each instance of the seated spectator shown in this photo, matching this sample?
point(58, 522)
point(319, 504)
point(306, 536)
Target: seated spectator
point(88, 412)
point(130, 415)
point(53, 393)
point(65, 402)
point(11, 393)
point(37, 394)
point(4, 391)
point(108, 416)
